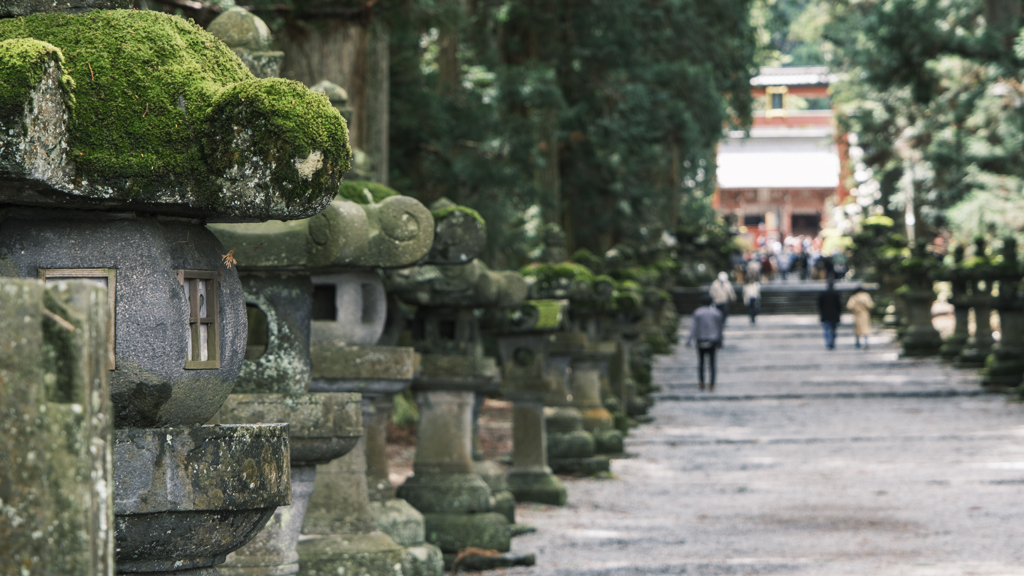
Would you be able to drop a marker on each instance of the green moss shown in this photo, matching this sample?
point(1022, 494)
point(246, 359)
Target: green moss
point(158, 101)
point(443, 213)
point(22, 65)
point(286, 121)
point(549, 313)
point(356, 191)
point(546, 273)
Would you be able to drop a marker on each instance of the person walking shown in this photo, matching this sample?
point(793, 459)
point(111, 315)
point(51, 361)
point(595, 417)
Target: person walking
point(752, 298)
point(829, 309)
point(706, 331)
point(722, 294)
point(861, 304)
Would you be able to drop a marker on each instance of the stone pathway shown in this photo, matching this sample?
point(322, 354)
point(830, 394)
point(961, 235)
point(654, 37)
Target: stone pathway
point(802, 462)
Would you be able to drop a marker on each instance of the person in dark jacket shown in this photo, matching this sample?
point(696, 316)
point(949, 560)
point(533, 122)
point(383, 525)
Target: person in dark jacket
point(706, 329)
point(829, 309)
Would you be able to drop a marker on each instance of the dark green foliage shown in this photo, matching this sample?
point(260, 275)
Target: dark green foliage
point(628, 99)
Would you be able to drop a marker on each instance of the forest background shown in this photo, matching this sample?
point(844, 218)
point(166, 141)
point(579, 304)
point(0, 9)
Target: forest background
point(603, 116)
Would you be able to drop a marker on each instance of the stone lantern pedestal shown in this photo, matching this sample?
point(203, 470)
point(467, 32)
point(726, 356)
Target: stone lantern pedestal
point(323, 427)
point(1004, 368)
point(526, 381)
point(980, 279)
point(358, 519)
point(979, 345)
point(571, 448)
point(458, 506)
point(591, 369)
point(954, 343)
point(921, 337)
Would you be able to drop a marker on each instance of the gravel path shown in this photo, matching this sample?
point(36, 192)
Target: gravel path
point(802, 462)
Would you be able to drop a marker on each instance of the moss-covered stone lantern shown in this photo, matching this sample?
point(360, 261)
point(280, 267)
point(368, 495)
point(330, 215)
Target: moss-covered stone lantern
point(958, 281)
point(459, 506)
point(980, 275)
point(121, 133)
point(316, 307)
point(1004, 367)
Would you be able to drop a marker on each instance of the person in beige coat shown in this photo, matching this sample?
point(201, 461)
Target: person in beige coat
point(860, 304)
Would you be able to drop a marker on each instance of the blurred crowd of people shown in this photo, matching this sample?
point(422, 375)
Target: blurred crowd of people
point(795, 258)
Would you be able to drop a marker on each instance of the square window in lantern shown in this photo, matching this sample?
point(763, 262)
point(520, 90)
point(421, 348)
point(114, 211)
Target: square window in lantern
point(325, 302)
point(202, 342)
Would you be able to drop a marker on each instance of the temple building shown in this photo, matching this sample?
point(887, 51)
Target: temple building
point(782, 180)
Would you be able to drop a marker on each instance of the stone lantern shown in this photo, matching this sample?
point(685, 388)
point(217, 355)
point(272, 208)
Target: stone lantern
point(957, 278)
point(313, 280)
point(980, 274)
point(458, 505)
point(125, 132)
point(55, 465)
point(1004, 368)
point(524, 336)
point(921, 338)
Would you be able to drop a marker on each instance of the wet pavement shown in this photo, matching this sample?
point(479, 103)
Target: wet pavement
point(803, 461)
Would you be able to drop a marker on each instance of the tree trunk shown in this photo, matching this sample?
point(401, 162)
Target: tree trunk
point(354, 55)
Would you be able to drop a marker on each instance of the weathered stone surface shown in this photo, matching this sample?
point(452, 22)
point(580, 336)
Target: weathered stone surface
point(454, 532)
point(359, 554)
point(13, 8)
point(460, 234)
point(340, 503)
point(184, 130)
point(608, 441)
point(277, 342)
point(56, 510)
point(150, 386)
point(577, 444)
point(239, 28)
point(360, 310)
point(453, 372)
point(423, 560)
point(398, 519)
point(321, 426)
point(366, 369)
point(185, 497)
point(337, 235)
point(249, 38)
point(395, 232)
point(467, 286)
point(273, 552)
point(402, 231)
point(543, 488)
point(454, 493)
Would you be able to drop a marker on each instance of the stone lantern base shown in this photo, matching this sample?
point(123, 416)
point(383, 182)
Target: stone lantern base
point(921, 338)
point(571, 449)
point(185, 497)
point(1004, 368)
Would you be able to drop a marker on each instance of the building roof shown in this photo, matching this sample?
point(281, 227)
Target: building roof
point(793, 76)
point(774, 158)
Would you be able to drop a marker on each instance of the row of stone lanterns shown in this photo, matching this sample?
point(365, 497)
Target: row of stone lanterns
point(979, 285)
point(217, 387)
